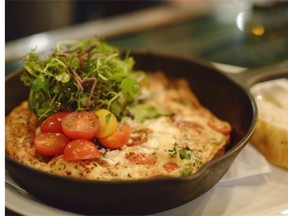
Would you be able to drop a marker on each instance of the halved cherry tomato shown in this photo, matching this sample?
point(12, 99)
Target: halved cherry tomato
point(170, 166)
point(51, 144)
point(80, 149)
point(80, 125)
point(53, 123)
point(141, 158)
point(118, 139)
point(220, 126)
point(108, 123)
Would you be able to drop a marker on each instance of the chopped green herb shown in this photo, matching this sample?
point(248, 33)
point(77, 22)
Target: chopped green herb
point(108, 117)
point(188, 169)
point(183, 152)
point(174, 151)
point(191, 167)
point(81, 75)
point(192, 160)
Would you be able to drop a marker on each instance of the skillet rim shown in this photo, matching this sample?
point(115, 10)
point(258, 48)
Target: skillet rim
point(236, 148)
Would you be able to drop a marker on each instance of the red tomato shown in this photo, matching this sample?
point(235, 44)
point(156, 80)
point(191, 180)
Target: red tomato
point(80, 149)
point(118, 139)
point(141, 158)
point(220, 126)
point(53, 123)
point(170, 166)
point(80, 125)
point(50, 144)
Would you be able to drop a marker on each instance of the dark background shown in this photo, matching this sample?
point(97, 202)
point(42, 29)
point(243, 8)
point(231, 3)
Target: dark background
point(26, 17)
point(214, 37)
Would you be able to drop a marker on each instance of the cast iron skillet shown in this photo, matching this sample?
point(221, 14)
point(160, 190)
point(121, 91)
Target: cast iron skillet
point(217, 91)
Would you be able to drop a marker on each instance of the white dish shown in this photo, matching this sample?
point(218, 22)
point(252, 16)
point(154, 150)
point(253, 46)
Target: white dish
point(263, 193)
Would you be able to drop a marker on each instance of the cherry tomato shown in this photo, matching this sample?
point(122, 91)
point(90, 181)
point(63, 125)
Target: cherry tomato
point(170, 166)
point(80, 149)
point(141, 158)
point(80, 125)
point(108, 123)
point(50, 144)
point(53, 123)
point(220, 126)
point(118, 139)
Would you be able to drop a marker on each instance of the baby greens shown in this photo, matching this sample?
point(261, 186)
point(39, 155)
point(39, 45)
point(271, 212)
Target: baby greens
point(81, 75)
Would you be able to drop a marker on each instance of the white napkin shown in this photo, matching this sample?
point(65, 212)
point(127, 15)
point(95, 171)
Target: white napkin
point(249, 163)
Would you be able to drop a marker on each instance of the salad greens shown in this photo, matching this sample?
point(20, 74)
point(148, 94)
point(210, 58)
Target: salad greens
point(81, 75)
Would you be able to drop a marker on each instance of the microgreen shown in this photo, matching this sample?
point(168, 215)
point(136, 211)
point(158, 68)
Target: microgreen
point(80, 75)
point(192, 160)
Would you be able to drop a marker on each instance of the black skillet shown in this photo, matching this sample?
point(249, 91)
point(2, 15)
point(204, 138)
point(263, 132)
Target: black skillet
point(227, 97)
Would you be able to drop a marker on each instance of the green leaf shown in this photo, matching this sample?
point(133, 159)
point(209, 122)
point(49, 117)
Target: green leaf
point(40, 83)
point(116, 109)
point(108, 117)
point(56, 90)
point(130, 86)
point(83, 101)
point(63, 77)
point(73, 62)
point(28, 68)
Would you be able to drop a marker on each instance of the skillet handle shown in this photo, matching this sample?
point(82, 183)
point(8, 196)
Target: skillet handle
point(250, 77)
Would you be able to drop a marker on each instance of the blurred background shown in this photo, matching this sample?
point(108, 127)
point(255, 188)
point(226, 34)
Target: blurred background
point(247, 33)
point(34, 16)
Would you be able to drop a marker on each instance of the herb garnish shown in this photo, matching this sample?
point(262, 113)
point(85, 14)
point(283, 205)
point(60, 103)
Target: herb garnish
point(80, 75)
point(182, 152)
point(192, 160)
